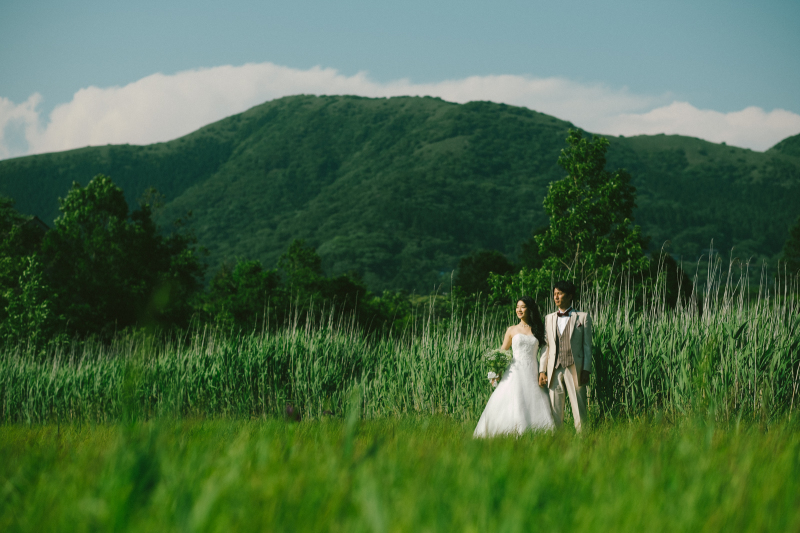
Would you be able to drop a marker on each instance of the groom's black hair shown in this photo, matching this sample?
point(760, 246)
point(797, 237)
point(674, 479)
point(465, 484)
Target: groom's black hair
point(567, 287)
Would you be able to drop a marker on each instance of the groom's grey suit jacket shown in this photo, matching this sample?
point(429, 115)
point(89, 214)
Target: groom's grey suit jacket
point(580, 324)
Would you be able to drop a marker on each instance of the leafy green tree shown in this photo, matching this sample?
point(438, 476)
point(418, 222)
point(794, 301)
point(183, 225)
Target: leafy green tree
point(591, 227)
point(244, 295)
point(28, 312)
point(20, 238)
point(791, 249)
point(529, 255)
point(308, 286)
point(110, 268)
point(472, 275)
point(394, 307)
point(10, 218)
point(302, 266)
point(247, 295)
point(180, 274)
point(591, 231)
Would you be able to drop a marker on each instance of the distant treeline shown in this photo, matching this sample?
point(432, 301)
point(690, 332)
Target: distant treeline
point(104, 268)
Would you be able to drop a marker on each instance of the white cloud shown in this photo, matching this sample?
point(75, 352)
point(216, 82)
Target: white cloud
point(751, 127)
point(20, 117)
point(160, 107)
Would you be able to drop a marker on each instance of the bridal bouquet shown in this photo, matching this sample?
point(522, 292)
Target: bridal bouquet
point(496, 361)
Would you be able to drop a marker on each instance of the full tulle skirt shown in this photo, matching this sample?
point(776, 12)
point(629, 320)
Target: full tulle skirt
point(518, 404)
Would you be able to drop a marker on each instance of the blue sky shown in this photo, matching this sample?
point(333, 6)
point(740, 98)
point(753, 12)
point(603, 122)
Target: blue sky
point(613, 67)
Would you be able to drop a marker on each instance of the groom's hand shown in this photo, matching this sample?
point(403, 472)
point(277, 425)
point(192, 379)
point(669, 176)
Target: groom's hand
point(542, 379)
point(584, 379)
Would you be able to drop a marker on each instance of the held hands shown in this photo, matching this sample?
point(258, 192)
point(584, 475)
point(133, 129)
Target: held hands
point(583, 380)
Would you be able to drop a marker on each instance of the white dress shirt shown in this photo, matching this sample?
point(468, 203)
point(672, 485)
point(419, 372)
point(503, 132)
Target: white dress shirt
point(562, 321)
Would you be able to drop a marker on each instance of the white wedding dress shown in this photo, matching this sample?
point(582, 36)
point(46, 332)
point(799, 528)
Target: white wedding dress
point(518, 403)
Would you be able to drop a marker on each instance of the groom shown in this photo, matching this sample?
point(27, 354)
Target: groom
point(568, 357)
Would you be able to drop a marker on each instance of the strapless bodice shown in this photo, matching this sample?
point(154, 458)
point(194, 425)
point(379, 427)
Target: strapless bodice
point(525, 349)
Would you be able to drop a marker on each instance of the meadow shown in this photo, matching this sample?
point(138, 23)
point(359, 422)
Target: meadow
point(693, 424)
point(398, 474)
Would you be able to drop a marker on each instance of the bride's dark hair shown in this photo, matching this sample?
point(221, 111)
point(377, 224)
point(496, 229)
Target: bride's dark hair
point(534, 317)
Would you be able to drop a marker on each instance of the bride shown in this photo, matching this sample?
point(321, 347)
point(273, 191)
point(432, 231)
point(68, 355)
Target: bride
point(519, 403)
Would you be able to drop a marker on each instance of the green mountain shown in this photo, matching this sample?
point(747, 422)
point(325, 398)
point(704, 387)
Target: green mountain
point(788, 146)
point(398, 189)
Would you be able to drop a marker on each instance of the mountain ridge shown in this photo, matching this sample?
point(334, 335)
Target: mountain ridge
point(789, 146)
point(398, 189)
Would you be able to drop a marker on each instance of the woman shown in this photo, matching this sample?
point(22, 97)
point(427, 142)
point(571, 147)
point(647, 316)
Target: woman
point(519, 403)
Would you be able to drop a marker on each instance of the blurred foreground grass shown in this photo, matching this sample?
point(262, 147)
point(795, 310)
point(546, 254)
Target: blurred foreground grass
point(398, 474)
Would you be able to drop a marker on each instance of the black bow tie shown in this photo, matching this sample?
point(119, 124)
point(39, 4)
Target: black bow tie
point(565, 313)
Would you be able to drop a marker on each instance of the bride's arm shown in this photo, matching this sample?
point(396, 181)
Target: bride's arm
point(543, 358)
point(507, 340)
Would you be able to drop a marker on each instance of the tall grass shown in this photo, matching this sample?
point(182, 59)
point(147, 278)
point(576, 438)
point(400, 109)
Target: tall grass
point(721, 353)
point(314, 367)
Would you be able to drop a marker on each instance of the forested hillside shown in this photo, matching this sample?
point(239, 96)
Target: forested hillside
point(788, 146)
point(398, 189)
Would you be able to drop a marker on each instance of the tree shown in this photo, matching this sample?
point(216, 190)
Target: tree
point(791, 249)
point(591, 211)
point(109, 268)
point(591, 232)
point(529, 255)
point(472, 275)
point(308, 286)
point(301, 265)
point(243, 295)
point(28, 311)
point(20, 238)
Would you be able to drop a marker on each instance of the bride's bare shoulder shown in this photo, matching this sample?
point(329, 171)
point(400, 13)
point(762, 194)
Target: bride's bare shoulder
point(508, 337)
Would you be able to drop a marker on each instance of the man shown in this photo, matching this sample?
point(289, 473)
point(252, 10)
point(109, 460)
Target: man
point(567, 362)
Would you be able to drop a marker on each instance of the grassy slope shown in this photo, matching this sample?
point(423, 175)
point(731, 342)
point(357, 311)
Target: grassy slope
point(407, 474)
point(395, 189)
point(789, 146)
point(36, 182)
point(691, 191)
point(398, 189)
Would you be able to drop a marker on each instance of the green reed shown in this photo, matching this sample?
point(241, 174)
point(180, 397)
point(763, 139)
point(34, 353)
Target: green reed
point(723, 352)
point(314, 367)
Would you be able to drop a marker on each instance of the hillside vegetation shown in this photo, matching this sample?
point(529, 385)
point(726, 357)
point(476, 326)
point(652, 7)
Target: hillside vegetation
point(788, 146)
point(399, 189)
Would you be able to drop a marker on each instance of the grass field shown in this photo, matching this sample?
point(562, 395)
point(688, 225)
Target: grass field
point(693, 426)
point(398, 474)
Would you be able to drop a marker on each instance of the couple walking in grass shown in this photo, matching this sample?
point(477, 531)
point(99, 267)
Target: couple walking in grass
point(532, 392)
